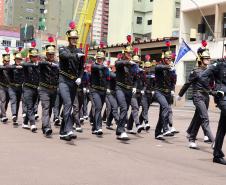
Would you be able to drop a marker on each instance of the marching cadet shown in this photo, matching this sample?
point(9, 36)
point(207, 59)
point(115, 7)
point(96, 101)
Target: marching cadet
point(162, 94)
point(70, 74)
point(125, 87)
point(99, 86)
point(4, 82)
point(136, 98)
point(16, 79)
point(48, 82)
point(112, 112)
point(30, 87)
point(218, 70)
point(147, 98)
point(201, 89)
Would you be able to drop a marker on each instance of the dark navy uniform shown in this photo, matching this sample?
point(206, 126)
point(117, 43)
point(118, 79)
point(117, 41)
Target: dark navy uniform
point(200, 91)
point(125, 83)
point(16, 79)
point(163, 88)
point(99, 85)
point(218, 70)
point(147, 98)
point(4, 95)
point(71, 69)
point(48, 83)
point(30, 90)
point(112, 112)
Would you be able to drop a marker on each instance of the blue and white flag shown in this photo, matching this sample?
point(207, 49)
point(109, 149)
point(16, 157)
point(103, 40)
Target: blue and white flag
point(184, 48)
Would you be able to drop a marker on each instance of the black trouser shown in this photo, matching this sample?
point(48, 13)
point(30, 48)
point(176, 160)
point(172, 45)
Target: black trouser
point(134, 115)
point(85, 105)
point(221, 130)
point(48, 98)
point(146, 101)
point(57, 105)
point(113, 109)
point(30, 96)
point(77, 105)
point(92, 110)
point(4, 100)
point(201, 118)
point(98, 98)
point(68, 92)
point(164, 100)
point(124, 97)
point(15, 94)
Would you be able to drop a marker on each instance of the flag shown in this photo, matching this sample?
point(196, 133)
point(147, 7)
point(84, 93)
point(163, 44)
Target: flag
point(184, 48)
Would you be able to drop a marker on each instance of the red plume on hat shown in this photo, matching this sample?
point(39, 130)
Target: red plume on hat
point(50, 39)
point(204, 43)
point(129, 38)
point(20, 49)
point(80, 46)
point(147, 57)
point(119, 56)
point(174, 55)
point(101, 45)
point(136, 50)
point(168, 43)
point(33, 44)
point(72, 25)
point(7, 49)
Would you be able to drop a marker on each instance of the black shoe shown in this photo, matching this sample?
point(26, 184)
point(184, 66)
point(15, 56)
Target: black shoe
point(15, 123)
point(14, 118)
point(72, 135)
point(168, 134)
point(4, 119)
point(94, 132)
point(65, 138)
point(109, 127)
point(99, 132)
point(219, 160)
point(208, 141)
point(36, 116)
point(160, 137)
point(57, 122)
point(48, 132)
point(140, 128)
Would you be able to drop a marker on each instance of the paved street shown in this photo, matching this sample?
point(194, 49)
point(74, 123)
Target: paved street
point(31, 159)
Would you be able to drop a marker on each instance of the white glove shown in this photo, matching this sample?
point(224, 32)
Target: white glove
point(172, 93)
point(108, 91)
point(84, 90)
point(142, 92)
point(152, 92)
point(172, 68)
point(220, 93)
point(134, 90)
point(179, 98)
point(87, 90)
point(78, 81)
point(132, 62)
point(79, 55)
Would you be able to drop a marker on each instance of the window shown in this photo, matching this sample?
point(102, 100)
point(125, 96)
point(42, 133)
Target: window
point(139, 20)
point(19, 44)
point(211, 20)
point(139, 1)
point(224, 25)
point(30, 1)
point(6, 43)
point(42, 10)
point(42, 2)
point(151, 0)
point(177, 12)
point(29, 10)
point(149, 22)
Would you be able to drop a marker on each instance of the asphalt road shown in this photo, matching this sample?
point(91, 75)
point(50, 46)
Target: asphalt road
point(31, 159)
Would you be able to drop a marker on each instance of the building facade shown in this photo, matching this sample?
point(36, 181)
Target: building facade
point(1, 12)
point(201, 20)
point(22, 12)
point(143, 19)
